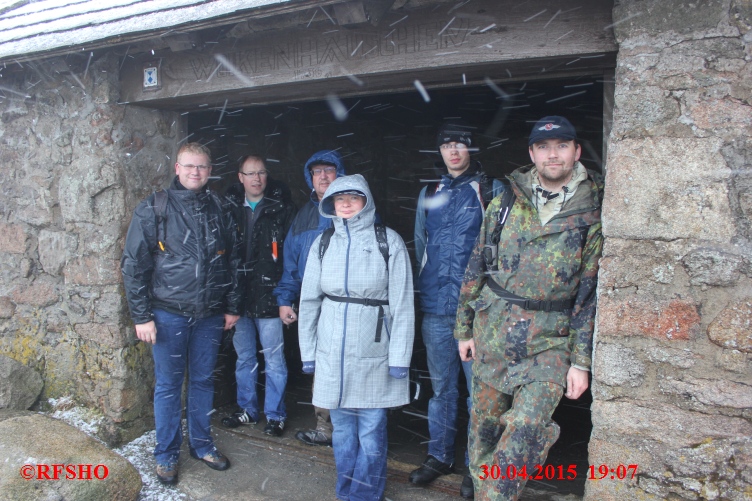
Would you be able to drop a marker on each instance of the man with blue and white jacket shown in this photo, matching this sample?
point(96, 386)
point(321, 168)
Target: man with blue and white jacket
point(320, 170)
point(447, 224)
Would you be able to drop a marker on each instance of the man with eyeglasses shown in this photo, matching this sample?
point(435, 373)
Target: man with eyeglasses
point(180, 274)
point(447, 222)
point(320, 170)
point(264, 212)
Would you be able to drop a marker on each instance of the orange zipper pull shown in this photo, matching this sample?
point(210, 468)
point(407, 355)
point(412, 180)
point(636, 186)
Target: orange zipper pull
point(274, 249)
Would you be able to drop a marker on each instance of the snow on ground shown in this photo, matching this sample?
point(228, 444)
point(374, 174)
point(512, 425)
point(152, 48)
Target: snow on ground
point(86, 420)
point(138, 452)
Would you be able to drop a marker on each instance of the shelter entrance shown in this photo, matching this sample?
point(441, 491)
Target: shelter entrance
point(390, 139)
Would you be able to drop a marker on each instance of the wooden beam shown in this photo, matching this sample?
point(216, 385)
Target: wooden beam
point(500, 39)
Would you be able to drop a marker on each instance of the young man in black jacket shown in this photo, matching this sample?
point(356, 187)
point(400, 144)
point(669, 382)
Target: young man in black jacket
point(264, 212)
point(180, 274)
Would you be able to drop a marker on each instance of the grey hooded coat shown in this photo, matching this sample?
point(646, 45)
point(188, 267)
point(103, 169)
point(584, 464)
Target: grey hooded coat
point(352, 359)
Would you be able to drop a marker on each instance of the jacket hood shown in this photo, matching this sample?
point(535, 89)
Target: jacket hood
point(348, 183)
point(328, 156)
point(591, 196)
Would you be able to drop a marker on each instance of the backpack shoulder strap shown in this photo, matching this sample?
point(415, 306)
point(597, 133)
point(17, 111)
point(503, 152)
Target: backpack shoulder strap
point(324, 242)
point(160, 211)
point(507, 200)
point(381, 239)
point(486, 190)
point(383, 243)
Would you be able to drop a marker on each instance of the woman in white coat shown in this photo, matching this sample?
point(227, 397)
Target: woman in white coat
point(356, 333)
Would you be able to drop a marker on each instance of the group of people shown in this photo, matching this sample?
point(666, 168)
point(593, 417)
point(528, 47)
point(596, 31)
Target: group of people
point(506, 274)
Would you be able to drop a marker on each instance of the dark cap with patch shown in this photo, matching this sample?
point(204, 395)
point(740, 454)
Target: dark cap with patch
point(454, 132)
point(553, 127)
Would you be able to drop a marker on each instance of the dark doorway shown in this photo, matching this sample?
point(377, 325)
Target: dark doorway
point(390, 139)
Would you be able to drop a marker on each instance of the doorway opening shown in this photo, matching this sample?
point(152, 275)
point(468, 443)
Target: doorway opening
point(391, 140)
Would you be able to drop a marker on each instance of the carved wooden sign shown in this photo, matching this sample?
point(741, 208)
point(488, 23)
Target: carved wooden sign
point(403, 47)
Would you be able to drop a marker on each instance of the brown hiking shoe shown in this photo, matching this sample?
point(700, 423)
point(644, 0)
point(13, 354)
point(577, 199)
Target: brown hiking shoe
point(167, 473)
point(213, 459)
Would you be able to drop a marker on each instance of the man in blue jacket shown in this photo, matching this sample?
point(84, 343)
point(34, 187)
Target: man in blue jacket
point(447, 224)
point(320, 170)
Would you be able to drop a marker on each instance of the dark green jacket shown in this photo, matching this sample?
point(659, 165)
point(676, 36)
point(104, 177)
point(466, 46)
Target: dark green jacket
point(558, 261)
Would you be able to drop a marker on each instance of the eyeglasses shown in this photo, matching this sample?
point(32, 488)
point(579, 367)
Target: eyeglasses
point(259, 174)
point(319, 171)
point(454, 146)
point(191, 166)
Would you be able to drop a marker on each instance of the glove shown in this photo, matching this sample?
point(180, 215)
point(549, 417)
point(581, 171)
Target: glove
point(398, 372)
point(309, 367)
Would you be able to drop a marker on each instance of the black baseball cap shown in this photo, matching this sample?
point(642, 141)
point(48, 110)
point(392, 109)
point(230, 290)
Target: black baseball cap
point(553, 127)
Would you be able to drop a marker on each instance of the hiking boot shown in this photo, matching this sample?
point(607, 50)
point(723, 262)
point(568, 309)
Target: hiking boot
point(167, 473)
point(467, 489)
point(430, 470)
point(274, 427)
point(314, 437)
point(240, 417)
point(213, 459)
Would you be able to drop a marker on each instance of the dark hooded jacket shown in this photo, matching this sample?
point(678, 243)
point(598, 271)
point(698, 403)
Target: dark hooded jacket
point(307, 225)
point(270, 222)
point(194, 272)
point(445, 233)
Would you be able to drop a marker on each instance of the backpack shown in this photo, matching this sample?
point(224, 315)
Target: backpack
point(380, 230)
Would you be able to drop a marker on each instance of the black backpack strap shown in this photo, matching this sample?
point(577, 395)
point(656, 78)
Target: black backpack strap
point(381, 239)
point(160, 211)
point(490, 248)
point(507, 200)
point(486, 190)
point(324, 242)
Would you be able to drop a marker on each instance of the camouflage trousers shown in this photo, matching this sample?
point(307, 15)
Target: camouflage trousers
point(510, 430)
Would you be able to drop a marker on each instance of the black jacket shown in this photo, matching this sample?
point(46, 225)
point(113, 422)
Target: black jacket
point(260, 271)
point(196, 274)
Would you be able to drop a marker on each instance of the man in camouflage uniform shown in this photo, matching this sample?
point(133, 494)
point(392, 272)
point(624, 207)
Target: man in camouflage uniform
point(527, 307)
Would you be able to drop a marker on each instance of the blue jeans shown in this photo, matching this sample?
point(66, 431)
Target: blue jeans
point(444, 367)
point(246, 369)
point(184, 342)
point(359, 443)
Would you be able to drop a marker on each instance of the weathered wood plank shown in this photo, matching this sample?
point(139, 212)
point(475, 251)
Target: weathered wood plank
point(501, 39)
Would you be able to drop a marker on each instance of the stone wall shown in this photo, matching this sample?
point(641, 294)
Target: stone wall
point(74, 165)
point(672, 378)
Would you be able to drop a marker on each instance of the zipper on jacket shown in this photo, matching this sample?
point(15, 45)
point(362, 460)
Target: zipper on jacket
point(344, 325)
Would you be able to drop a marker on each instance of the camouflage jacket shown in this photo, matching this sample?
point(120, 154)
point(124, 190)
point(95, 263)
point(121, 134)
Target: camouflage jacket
point(557, 261)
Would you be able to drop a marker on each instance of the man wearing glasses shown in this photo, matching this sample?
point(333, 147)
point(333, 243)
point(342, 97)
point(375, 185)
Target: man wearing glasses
point(264, 212)
point(180, 274)
point(320, 170)
point(447, 223)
